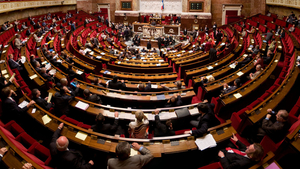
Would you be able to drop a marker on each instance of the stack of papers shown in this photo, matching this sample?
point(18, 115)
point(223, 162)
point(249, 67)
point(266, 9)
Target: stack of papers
point(33, 76)
point(81, 105)
point(149, 116)
point(81, 135)
point(194, 111)
point(232, 65)
point(210, 67)
point(239, 73)
point(237, 95)
point(205, 142)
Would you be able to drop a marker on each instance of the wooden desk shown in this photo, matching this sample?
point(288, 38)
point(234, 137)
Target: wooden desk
point(138, 27)
point(172, 29)
point(154, 43)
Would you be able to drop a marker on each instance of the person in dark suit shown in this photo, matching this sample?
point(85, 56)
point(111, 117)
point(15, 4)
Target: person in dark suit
point(206, 119)
point(116, 84)
point(174, 101)
point(219, 37)
point(228, 89)
point(91, 97)
point(275, 125)
point(36, 96)
point(28, 33)
point(62, 157)
point(10, 108)
point(64, 83)
point(143, 88)
point(185, 31)
point(215, 29)
point(149, 45)
point(136, 40)
point(73, 27)
point(61, 101)
point(212, 54)
point(3, 82)
point(243, 157)
point(269, 36)
point(282, 34)
point(106, 128)
point(159, 42)
point(161, 129)
point(245, 61)
point(3, 150)
point(45, 75)
point(13, 64)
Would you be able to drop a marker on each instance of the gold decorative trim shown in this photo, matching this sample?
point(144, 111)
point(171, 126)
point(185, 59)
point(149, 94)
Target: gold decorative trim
point(13, 6)
point(286, 3)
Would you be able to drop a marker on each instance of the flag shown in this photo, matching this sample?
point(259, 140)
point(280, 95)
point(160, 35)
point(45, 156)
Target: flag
point(162, 5)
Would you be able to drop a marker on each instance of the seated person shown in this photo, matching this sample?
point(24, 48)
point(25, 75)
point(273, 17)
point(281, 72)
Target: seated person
point(15, 64)
point(106, 128)
point(275, 125)
point(292, 28)
point(257, 72)
point(178, 86)
point(244, 62)
point(174, 101)
point(228, 89)
point(91, 97)
point(124, 159)
point(255, 50)
point(116, 84)
point(244, 157)
point(61, 101)
point(10, 108)
point(258, 60)
point(162, 129)
point(36, 96)
point(143, 88)
point(46, 75)
point(64, 83)
point(4, 83)
point(203, 82)
point(267, 59)
point(206, 119)
point(138, 128)
point(97, 82)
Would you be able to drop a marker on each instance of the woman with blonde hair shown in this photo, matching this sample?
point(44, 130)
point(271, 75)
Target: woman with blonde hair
point(138, 128)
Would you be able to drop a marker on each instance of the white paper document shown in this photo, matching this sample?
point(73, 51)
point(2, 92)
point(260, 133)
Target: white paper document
point(33, 76)
point(154, 86)
point(133, 152)
point(237, 95)
point(81, 135)
point(239, 73)
point(205, 142)
point(46, 119)
point(23, 104)
point(210, 67)
point(194, 111)
point(81, 105)
point(149, 116)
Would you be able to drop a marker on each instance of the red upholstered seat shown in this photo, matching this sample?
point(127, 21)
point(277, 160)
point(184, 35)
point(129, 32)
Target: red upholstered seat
point(14, 128)
point(41, 152)
point(26, 140)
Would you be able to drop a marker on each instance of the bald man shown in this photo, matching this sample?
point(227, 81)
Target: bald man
point(62, 157)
